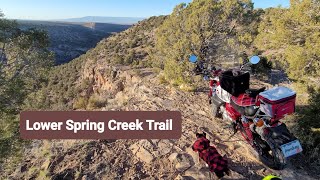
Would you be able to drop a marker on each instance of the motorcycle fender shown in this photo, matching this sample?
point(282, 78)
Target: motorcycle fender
point(217, 101)
point(234, 114)
point(279, 135)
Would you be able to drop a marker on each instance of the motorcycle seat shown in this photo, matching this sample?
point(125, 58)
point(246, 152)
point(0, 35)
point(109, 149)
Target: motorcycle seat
point(255, 92)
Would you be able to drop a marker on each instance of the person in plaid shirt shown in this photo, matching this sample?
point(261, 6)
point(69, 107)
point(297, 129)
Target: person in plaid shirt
point(210, 155)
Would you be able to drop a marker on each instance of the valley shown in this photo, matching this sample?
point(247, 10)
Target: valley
point(69, 40)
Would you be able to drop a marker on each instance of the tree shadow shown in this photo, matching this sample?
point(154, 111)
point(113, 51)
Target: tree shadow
point(147, 73)
point(202, 89)
point(218, 144)
point(275, 77)
point(305, 125)
point(248, 171)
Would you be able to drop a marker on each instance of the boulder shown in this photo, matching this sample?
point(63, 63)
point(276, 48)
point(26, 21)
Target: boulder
point(145, 155)
point(155, 141)
point(141, 153)
point(179, 177)
point(197, 174)
point(146, 145)
point(182, 166)
point(164, 147)
point(173, 157)
point(202, 113)
point(194, 155)
point(184, 162)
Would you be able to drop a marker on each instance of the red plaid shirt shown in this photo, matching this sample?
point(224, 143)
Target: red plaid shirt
point(210, 155)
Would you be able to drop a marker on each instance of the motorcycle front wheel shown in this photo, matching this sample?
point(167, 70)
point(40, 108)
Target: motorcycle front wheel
point(215, 110)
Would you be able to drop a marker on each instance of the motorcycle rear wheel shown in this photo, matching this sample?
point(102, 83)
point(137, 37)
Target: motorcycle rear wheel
point(271, 157)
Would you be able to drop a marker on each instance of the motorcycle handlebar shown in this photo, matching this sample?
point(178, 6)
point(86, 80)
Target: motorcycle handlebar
point(208, 74)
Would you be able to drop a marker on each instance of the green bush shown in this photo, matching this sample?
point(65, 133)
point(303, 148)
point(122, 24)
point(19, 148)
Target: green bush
point(306, 126)
point(173, 73)
point(293, 37)
point(263, 67)
point(80, 103)
point(195, 28)
point(310, 126)
point(119, 59)
point(96, 102)
point(162, 79)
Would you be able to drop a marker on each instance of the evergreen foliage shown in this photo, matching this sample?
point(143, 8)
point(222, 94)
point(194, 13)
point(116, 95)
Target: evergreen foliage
point(24, 64)
point(294, 35)
point(196, 28)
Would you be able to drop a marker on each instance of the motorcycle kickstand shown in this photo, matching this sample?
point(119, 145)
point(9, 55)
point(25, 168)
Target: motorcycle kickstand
point(235, 128)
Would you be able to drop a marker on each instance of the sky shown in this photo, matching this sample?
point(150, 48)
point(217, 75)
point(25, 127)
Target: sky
point(61, 9)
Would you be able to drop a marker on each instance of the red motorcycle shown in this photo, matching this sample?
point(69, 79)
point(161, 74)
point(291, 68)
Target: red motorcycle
point(255, 113)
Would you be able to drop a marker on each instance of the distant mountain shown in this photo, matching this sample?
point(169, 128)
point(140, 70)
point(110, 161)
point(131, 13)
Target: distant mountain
point(102, 19)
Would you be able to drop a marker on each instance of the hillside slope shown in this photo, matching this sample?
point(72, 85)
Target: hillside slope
point(146, 159)
point(67, 84)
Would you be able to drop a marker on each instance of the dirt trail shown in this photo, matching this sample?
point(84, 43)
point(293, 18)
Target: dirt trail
point(149, 159)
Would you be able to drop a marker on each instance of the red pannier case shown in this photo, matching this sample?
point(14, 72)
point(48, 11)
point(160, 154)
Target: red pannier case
point(278, 102)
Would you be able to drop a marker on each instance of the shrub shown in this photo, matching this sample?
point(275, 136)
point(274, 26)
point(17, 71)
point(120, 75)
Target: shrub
point(80, 103)
point(188, 87)
point(118, 59)
point(306, 126)
point(263, 67)
point(162, 79)
point(173, 72)
point(96, 102)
